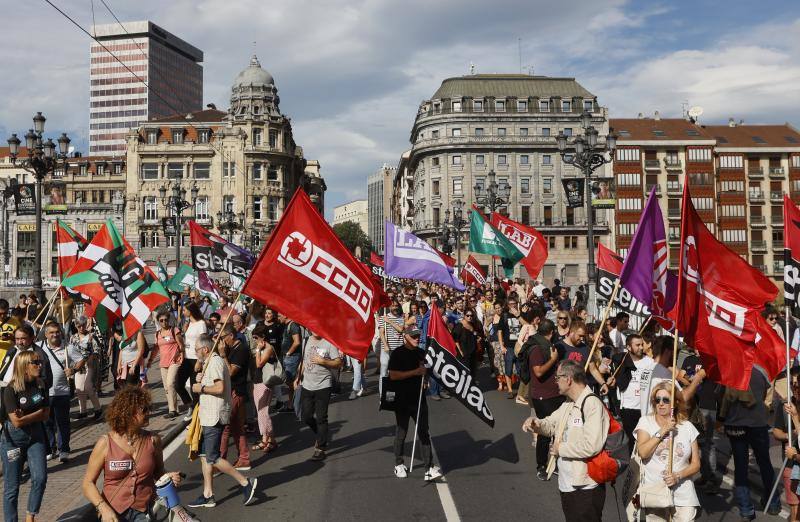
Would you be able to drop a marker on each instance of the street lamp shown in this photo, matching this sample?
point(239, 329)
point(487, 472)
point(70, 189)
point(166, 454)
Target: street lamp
point(42, 159)
point(588, 155)
point(177, 203)
point(451, 230)
point(494, 196)
point(229, 221)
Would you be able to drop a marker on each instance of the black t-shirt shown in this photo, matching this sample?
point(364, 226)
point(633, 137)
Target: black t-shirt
point(706, 395)
point(32, 399)
point(240, 356)
point(404, 359)
point(566, 352)
point(274, 336)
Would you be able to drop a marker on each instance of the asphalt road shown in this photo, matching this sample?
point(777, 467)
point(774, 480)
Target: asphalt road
point(489, 472)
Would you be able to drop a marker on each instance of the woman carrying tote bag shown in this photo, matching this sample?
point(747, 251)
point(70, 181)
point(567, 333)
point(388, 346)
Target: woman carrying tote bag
point(267, 365)
point(662, 495)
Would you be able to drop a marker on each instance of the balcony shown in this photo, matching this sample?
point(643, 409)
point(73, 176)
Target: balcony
point(776, 172)
point(777, 267)
point(776, 196)
point(755, 173)
point(674, 238)
point(672, 164)
point(674, 188)
point(755, 196)
point(761, 268)
point(776, 220)
point(758, 221)
point(777, 245)
point(649, 187)
point(472, 139)
point(758, 246)
point(652, 165)
point(674, 213)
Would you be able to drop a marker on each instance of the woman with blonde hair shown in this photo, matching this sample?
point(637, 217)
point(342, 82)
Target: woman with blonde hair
point(653, 433)
point(27, 406)
point(130, 459)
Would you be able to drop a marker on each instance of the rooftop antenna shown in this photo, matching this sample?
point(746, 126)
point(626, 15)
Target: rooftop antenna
point(471, 68)
point(519, 46)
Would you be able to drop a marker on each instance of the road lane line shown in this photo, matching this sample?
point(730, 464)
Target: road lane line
point(176, 443)
point(445, 497)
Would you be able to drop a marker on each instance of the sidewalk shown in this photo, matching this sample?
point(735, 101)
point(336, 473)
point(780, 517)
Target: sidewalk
point(63, 491)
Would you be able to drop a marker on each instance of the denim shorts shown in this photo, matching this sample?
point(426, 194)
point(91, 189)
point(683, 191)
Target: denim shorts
point(290, 365)
point(509, 359)
point(212, 438)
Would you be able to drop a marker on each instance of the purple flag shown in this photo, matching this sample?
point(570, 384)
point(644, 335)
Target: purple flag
point(406, 255)
point(644, 273)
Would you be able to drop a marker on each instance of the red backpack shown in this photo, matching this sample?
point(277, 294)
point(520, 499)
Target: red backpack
point(613, 459)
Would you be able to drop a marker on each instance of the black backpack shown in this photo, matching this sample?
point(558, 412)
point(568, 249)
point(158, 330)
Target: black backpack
point(524, 361)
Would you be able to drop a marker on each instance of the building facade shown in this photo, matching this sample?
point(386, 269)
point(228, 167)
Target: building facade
point(355, 211)
point(379, 195)
point(508, 124)
point(119, 101)
point(737, 175)
point(243, 164)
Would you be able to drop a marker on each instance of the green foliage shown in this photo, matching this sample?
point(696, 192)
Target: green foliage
point(352, 236)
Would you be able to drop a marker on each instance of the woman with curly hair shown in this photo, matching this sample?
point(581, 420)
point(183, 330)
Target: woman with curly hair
point(130, 459)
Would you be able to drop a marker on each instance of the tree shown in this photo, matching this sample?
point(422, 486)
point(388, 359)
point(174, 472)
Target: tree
point(352, 236)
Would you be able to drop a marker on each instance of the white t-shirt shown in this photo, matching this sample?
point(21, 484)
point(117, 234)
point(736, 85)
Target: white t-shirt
point(215, 409)
point(649, 380)
point(193, 331)
point(630, 399)
point(618, 340)
point(684, 494)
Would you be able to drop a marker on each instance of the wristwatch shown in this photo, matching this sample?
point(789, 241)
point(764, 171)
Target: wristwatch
point(202, 388)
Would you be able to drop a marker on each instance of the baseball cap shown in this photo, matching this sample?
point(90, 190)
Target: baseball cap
point(413, 331)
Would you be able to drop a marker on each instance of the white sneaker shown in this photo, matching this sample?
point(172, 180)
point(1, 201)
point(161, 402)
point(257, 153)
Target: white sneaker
point(360, 392)
point(433, 473)
point(401, 471)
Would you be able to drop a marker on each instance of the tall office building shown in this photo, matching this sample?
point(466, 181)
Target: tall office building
point(379, 194)
point(119, 101)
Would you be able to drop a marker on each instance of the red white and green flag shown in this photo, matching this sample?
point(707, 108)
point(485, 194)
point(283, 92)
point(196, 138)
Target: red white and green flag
point(117, 282)
point(70, 244)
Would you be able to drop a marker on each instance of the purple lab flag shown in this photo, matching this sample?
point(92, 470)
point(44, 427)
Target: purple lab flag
point(406, 255)
point(644, 273)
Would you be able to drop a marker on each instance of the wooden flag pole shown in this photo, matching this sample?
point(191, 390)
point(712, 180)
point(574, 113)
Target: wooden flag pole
point(48, 305)
point(606, 312)
point(416, 422)
point(672, 397)
point(225, 322)
point(562, 423)
point(641, 330)
point(788, 373)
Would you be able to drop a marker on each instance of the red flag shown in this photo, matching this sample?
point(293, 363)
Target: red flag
point(449, 261)
point(770, 349)
point(527, 239)
point(791, 251)
point(472, 273)
point(307, 274)
point(719, 298)
point(608, 260)
point(375, 259)
point(437, 330)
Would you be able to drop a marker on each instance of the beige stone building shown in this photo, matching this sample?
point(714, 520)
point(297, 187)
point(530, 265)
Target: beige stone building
point(243, 164)
point(506, 123)
point(355, 211)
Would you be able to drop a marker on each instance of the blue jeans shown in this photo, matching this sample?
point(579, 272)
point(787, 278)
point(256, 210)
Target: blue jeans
point(742, 438)
point(358, 375)
point(59, 421)
point(290, 365)
point(17, 446)
point(708, 446)
point(433, 386)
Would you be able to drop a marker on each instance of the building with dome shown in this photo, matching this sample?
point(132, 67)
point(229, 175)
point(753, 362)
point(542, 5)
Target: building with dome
point(235, 171)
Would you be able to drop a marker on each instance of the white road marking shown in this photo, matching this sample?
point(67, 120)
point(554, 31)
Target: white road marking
point(176, 443)
point(445, 497)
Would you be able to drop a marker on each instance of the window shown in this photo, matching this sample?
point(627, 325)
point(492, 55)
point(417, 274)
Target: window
point(568, 132)
point(228, 169)
point(203, 136)
point(699, 155)
point(273, 139)
point(456, 106)
point(547, 185)
point(257, 137)
point(149, 170)
point(570, 242)
point(479, 184)
point(257, 171)
point(524, 159)
point(731, 162)
point(434, 162)
point(228, 204)
point(731, 210)
point(629, 180)
point(502, 159)
point(588, 105)
point(437, 108)
point(177, 136)
point(479, 131)
point(629, 204)
point(174, 170)
point(700, 178)
point(26, 240)
point(544, 106)
point(479, 159)
point(272, 209)
point(627, 229)
point(628, 155)
point(547, 159)
point(734, 236)
point(551, 242)
point(526, 215)
point(570, 215)
point(152, 137)
point(731, 186)
point(477, 105)
point(672, 158)
point(545, 131)
point(435, 134)
point(257, 207)
point(83, 170)
point(501, 131)
point(500, 105)
point(522, 106)
point(435, 187)
point(150, 208)
point(523, 131)
point(548, 215)
point(458, 185)
point(201, 207)
point(796, 162)
point(202, 170)
point(101, 169)
point(436, 217)
point(703, 203)
point(566, 106)
point(525, 185)
point(272, 174)
point(456, 131)
point(117, 168)
point(456, 159)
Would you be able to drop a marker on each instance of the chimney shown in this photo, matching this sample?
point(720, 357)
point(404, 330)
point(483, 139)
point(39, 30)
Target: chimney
point(657, 116)
point(731, 122)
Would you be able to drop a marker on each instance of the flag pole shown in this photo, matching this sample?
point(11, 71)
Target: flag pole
point(788, 371)
point(225, 322)
point(599, 334)
point(48, 305)
point(562, 424)
point(672, 396)
point(416, 422)
point(641, 330)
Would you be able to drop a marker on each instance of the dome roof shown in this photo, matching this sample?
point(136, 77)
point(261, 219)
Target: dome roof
point(253, 75)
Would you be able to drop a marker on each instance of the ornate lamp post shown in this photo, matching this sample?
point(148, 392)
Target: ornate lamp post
point(451, 231)
point(177, 203)
point(42, 159)
point(230, 221)
point(588, 155)
point(494, 196)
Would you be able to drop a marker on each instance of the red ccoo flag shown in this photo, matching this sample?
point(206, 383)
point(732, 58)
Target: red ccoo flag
point(472, 273)
point(526, 239)
point(719, 298)
point(307, 274)
point(770, 349)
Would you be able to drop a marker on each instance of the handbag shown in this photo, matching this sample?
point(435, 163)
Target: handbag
point(655, 496)
point(272, 373)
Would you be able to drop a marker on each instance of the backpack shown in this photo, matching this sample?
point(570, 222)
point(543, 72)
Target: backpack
point(524, 362)
point(613, 459)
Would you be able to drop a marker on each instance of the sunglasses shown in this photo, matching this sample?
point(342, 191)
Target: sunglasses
point(468, 315)
point(562, 317)
point(36, 362)
point(662, 400)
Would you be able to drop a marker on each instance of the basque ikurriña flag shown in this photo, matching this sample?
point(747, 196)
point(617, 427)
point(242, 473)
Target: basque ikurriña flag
point(307, 274)
point(70, 245)
point(442, 363)
point(791, 252)
point(529, 241)
point(213, 253)
point(472, 273)
point(118, 283)
point(406, 255)
point(719, 300)
point(644, 272)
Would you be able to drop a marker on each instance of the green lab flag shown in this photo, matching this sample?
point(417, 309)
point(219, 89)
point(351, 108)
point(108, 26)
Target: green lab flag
point(486, 239)
point(185, 276)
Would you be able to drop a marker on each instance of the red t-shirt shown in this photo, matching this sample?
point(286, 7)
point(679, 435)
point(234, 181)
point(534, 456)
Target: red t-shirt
point(544, 387)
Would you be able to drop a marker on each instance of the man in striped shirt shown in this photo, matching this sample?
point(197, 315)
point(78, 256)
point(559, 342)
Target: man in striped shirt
point(391, 334)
